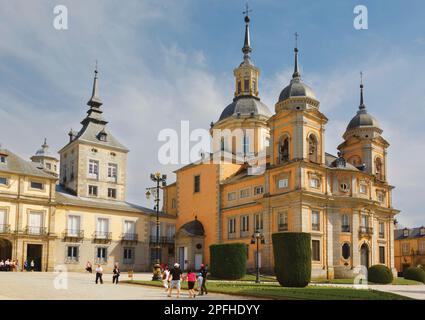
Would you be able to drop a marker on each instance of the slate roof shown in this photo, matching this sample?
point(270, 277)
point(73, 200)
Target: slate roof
point(15, 164)
point(413, 233)
point(245, 106)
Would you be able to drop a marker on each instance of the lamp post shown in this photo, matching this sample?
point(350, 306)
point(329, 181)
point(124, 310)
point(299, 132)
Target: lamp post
point(160, 181)
point(256, 238)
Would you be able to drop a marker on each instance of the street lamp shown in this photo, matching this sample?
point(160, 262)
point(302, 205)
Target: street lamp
point(160, 182)
point(256, 238)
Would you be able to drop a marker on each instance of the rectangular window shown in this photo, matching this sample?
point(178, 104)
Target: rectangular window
point(381, 230)
point(244, 223)
point(197, 184)
point(315, 250)
point(94, 169)
point(93, 191)
point(315, 220)
point(73, 225)
point(405, 248)
point(381, 254)
point(35, 223)
point(246, 85)
point(283, 183)
point(2, 159)
point(3, 181)
point(258, 222)
point(37, 185)
point(101, 255)
point(173, 204)
point(246, 144)
point(245, 193)
point(128, 257)
point(364, 221)
point(231, 228)
point(381, 197)
point(112, 193)
point(345, 223)
point(129, 230)
point(258, 190)
point(239, 87)
point(283, 221)
point(314, 183)
point(231, 196)
point(421, 247)
point(363, 188)
point(3, 221)
point(112, 171)
point(72, 253)
point(102, 228)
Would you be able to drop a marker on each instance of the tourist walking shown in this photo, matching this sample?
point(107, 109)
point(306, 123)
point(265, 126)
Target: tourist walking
point(200, 279)
point(191, 279)
point(99, 274)
point(204, 272)
point(89, 267)
point(32, 265)
point(165, 278)
point(1, 265)
point(7, 265)
point(175, 280)
point(116, 273)
point(25, 265)
point(16, 265)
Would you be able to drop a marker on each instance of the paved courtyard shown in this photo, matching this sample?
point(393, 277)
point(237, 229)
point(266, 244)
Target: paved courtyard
point(80, 286)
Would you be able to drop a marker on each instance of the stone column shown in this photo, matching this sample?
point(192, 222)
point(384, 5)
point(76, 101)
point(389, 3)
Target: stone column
point(355, 234)
point(374, 256)
point(391, 246)
point(267, 248)
point(331, 247)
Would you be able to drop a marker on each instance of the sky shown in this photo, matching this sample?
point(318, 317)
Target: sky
point(163, 61)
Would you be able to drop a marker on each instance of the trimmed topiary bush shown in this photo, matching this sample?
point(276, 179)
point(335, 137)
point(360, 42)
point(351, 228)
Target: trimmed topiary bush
point(292, 258)
point(228, 261)
point(414, 273)
point(379, 274)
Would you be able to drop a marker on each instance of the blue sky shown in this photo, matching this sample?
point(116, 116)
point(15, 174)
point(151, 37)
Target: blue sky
point(166, 61)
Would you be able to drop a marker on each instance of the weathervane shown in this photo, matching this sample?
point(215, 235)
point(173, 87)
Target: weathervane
point(296, 39)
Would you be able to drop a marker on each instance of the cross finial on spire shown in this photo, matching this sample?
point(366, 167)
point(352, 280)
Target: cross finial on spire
point(362, 105)
point(247, 42)
point(247, 10)
point(95, 100)
point(296, 39)
point(96, 70)
point(296, 74)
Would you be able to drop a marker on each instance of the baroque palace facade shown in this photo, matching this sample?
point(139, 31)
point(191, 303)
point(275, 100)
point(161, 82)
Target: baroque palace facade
point(74, 211)
point(343, 201)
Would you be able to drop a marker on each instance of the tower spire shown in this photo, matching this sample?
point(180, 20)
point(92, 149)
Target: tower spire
point(296, 74)
point(362, 105)
point(247, 41)
point(95, 101)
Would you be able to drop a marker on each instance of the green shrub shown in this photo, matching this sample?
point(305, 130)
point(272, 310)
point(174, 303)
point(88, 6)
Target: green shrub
point(292, 258)
point(414, 273)
point(228, 261)
point(379, 274)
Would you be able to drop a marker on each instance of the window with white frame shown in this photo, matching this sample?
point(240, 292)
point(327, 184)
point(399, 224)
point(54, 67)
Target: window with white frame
point(258, 222)
point(112, 193)
point(315, 182)
point(363, 188)
point(129, 230)
point(245, 223)
point(258, 190)
point(102, 228)
point(128, 256)
point(364, 222)
point(74, 225)
point(381, 196)
point(35, 222)
point(3, 220)
point(245, 193)
point(37, 185)
point(283, 221)
point(405, 248)
point(101, 255)
point(283, 183)
point(345, 223)
point(93, 191)
point(72, 254)
point(112, 171)
point(231, 227)
point(93, 169)
point(231, 196)
point(315, 220)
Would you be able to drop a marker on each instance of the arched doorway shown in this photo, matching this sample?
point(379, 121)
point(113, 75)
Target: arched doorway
point(364, 255)
point(5, 249)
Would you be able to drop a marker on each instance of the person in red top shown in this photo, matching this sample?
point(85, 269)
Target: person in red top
point(191, 279)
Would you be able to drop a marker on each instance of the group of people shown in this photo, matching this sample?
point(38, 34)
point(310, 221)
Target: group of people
point(99, 272)
point(13, 265)
point(172, 279)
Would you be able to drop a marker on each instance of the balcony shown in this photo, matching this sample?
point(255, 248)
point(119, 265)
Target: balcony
point(381, 235)
point(315, 226)
point(365, 231)
point(245, 234)
point(283, 227)
point(162, 240)
point(101, 236)
point(35, 231)
point(4, 228)
point(345, 228)
point(72, 234)
point(129, 237)
point(231, 235)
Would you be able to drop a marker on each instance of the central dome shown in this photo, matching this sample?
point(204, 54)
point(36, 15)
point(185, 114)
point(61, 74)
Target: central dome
point(245, 107)
point(296, 88)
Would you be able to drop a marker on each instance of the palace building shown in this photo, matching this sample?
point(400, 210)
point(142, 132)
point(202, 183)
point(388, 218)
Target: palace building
point(409, 248)
point(74, 210)
point(343, 200)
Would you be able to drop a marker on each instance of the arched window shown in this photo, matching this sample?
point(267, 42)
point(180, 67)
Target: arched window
point(378, 169)
point(222, 144)
point(346, 251)
point(312, 148)
point(284, 149)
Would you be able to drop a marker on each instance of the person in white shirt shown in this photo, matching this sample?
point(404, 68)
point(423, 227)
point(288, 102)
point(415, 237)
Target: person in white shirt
point(7, 265)
point(99, 274)
point(165, 278)
point(32, 265)
point(1, 265)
